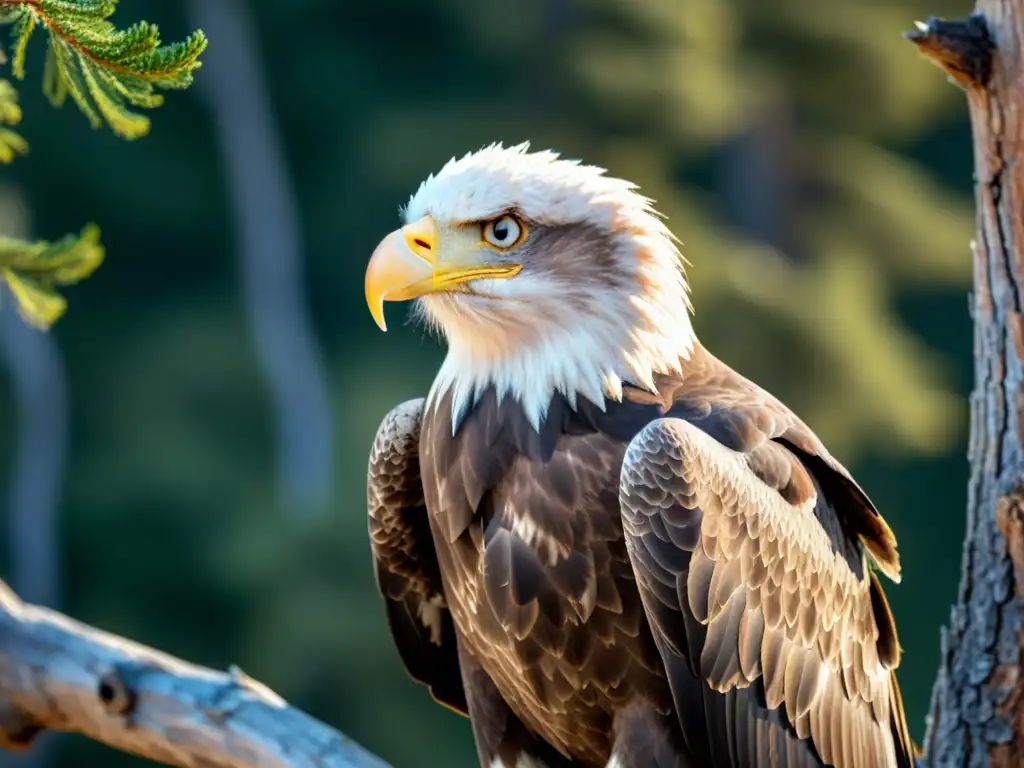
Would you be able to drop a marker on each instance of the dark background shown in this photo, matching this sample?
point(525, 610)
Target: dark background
point(209, 400)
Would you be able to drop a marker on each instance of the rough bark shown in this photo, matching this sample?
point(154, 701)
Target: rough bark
point(976, 714)
point(58, 674)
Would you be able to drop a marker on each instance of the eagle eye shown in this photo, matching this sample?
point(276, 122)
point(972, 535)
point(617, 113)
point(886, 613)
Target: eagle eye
point(503, 232)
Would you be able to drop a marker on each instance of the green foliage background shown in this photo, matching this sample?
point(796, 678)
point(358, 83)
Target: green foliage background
point(815, 168)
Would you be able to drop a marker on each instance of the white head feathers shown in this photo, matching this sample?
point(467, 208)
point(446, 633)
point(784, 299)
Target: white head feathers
point(542, 186)
point(601, 300)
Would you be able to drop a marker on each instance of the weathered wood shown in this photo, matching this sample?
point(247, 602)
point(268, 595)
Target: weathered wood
point(976, 714)
point(59, 674)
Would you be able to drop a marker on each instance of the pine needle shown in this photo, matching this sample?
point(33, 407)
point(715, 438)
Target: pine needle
point(108, 72)
point(34, 271)
point(11, 143)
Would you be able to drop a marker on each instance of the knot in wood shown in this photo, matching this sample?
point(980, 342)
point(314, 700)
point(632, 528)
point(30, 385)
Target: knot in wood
point(18, 730)
point(114, 694)
point(962, 47)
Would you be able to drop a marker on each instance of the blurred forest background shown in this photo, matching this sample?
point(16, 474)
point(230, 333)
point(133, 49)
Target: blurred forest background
point(184, 455)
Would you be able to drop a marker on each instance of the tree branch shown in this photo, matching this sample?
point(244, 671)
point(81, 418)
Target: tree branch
point(59, 674)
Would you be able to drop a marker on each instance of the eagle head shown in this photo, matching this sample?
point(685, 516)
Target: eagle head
point(544, 275)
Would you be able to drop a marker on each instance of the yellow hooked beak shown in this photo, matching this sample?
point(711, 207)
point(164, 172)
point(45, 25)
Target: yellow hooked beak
point(407, 264)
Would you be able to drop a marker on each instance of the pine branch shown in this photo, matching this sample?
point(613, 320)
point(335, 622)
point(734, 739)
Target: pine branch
point(33, 271)
point(105, 71)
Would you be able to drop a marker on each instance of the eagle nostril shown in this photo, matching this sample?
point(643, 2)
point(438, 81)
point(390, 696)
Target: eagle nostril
point(422, 243)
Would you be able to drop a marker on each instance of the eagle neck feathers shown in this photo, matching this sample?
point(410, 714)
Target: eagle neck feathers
point(583, 364)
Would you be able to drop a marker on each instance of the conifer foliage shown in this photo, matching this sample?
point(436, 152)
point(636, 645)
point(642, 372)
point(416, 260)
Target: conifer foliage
point(108, 73)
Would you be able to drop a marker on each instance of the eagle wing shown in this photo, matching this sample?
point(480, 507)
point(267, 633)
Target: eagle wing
point(405, 562)
point(774, 633)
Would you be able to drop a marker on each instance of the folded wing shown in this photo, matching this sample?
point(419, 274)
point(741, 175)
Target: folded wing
point(776, 637)
point(405, 562)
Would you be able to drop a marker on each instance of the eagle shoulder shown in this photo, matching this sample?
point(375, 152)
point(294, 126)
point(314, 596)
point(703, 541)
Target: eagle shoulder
point(750, 584)
point(405, 561)
point(743, 416)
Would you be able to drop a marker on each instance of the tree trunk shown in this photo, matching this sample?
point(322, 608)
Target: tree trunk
point(976, 714)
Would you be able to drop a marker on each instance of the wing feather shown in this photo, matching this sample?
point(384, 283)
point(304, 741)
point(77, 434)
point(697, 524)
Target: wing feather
point(796, 636)
point(405, 562)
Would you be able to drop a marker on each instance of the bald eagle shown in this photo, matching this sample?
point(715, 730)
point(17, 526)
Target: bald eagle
point(594, 538)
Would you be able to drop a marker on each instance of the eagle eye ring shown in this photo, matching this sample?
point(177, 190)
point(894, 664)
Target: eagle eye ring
point(504, 232)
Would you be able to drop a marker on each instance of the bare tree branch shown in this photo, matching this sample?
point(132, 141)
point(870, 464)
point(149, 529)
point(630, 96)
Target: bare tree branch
point(271, 250)
point(59, 674)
